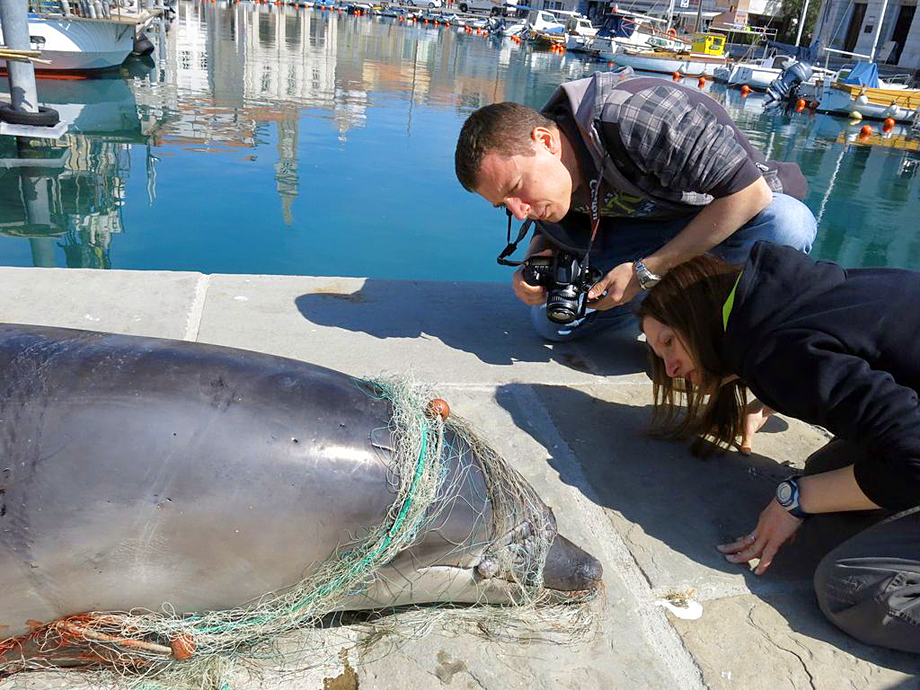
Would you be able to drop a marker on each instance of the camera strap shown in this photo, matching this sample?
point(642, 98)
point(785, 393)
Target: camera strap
point(512, 246)
point(594, 205)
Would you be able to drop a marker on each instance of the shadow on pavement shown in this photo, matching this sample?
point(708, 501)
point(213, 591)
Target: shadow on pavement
point(483, 319)
point(685, 504)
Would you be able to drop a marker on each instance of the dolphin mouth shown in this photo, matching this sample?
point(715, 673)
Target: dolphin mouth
point(569, 570)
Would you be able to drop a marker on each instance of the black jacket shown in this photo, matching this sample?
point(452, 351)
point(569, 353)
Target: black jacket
point(839, 348)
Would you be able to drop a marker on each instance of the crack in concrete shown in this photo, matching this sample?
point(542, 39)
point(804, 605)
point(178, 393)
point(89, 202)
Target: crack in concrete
point(750, 617)
point(478, 682)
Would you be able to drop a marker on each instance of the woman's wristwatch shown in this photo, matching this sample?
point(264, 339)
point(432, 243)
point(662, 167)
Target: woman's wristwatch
point(647, 279)
point(787, 495)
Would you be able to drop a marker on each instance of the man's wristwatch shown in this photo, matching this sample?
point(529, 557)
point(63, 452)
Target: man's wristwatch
point(787, 495)
point(646, 278)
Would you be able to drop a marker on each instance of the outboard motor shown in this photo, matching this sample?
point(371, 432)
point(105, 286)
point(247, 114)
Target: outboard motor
point(792, 76)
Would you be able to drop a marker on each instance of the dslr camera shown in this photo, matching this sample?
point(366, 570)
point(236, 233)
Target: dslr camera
point(566, 281)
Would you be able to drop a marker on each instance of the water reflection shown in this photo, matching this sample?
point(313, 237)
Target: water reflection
point(268, 139)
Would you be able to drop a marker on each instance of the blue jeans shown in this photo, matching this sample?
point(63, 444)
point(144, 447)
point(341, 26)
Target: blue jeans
point(785, 221)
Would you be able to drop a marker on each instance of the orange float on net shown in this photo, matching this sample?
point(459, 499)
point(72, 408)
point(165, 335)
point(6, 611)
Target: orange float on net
point(889, 122)
point(745, 90)
point(672, 32)
point(439, 407)
point(675, 76)
point(800, 104)
point(701, 82)
point(183, 646)
point(865, 131)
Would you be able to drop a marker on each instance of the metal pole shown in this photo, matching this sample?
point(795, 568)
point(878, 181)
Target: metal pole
point(699, 17)
point(14, 19)
point(798, 35)
point(670, 14)
point(881, 20)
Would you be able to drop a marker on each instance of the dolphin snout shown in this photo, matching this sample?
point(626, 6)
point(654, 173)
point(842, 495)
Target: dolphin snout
point(569, 569)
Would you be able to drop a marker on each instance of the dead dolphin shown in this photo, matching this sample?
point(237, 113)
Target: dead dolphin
point(139, 472)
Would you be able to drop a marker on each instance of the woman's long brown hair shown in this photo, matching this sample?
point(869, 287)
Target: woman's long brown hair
point(689, 300)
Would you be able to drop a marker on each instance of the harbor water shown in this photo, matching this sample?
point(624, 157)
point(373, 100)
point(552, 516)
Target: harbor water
point(275, 140)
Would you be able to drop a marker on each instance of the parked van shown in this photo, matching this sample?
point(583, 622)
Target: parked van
point(493, 7)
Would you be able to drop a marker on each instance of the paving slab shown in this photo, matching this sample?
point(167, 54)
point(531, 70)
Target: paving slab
point(443, 332)
point(782, 642)
point(160, 304)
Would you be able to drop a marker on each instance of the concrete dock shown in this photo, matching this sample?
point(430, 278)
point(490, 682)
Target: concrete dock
point(572, 418)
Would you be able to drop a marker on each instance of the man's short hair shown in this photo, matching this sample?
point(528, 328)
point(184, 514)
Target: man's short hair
point(503, 128)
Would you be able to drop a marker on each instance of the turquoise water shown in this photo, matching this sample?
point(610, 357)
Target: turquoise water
point(276, 140)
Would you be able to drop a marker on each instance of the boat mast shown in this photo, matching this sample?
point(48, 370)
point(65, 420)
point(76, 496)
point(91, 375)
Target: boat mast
point(878, 31)
point(798, 35)
point(670, 14)
point(699, 16)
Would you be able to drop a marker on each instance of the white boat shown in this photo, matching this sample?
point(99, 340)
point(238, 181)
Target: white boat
point(543, 27)
point(758, 74)
point(630, 31)
point(83, 45)
point(579, 32)
point(707, 54)
point(888, 99)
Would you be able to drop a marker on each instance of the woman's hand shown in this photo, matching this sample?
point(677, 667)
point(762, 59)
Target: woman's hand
point(756, 415)
point(775, 527)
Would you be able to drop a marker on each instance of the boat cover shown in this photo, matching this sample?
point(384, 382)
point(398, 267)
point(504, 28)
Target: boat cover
point(864, 74)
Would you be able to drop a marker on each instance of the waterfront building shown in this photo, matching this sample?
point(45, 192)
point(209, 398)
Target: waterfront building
point(884, 29)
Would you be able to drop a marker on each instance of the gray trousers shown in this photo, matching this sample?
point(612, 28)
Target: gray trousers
point(869, 586)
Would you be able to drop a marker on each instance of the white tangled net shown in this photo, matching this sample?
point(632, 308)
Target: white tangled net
point(162, 650)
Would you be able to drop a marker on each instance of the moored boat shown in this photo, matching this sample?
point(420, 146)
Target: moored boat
point(631, 31)
point(83, 44)
point(862, 91)
point(706, 55)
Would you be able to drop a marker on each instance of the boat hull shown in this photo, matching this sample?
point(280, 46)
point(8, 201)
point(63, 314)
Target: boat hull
point(689, 65)
point(877, 104)
point(81, 46)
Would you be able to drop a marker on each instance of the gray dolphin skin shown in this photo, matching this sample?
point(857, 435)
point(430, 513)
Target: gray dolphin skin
point(137, 471)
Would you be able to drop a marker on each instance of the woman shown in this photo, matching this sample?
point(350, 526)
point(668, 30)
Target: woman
point(830, 346)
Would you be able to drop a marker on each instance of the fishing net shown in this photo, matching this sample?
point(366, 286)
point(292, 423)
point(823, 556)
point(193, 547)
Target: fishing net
point(435, 463)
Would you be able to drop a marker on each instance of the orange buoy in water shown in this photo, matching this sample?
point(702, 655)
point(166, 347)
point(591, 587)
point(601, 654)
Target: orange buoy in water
point(889, 122)
point(675, 76)
point(799, 108)
point(701, 82)
point(865, 131)
point(439, 407)
point(609, 64)
point(800, 104)
point(745, 90)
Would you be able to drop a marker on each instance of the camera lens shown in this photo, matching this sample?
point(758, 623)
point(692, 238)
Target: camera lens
point(562, 305)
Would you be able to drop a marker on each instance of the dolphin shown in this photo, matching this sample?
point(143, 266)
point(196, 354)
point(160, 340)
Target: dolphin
point(144, 473)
